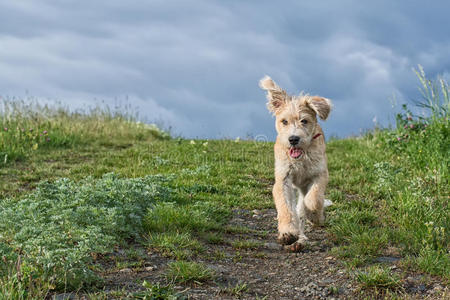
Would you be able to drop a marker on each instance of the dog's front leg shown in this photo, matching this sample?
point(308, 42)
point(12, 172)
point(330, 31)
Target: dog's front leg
point(301, 214)
point(284, 197)
point(314, 201)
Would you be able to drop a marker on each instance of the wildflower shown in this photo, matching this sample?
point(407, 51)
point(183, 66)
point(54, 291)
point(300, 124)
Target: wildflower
point(192, 142)
point(205, 144)
point(406, 126)
point(237, 139)
point(411, 126)
point(31, 129)
point(45, 132)
point(399, 139)
point(6, 129)
point(409, 117)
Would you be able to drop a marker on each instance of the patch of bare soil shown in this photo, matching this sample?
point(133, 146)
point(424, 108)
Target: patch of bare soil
point(261, 269)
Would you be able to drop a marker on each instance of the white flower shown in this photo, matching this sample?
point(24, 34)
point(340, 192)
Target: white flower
point(192, 142)
point(237, 140)
point(205, 144)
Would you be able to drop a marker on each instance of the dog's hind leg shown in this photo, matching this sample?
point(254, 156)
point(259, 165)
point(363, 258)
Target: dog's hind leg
point(284, 197)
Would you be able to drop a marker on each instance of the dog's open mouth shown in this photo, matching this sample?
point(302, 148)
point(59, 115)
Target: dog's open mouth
point(295, 152)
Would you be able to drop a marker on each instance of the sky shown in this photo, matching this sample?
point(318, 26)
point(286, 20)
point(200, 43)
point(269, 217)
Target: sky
point(193, 66)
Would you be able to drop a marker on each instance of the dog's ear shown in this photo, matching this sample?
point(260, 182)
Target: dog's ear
point(322, 106)
point(277, 97)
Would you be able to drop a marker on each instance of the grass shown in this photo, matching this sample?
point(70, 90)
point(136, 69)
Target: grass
point(245, 244)
point(157, 292)
point(175, 245)
point(187, 271)
point(54, 230)
point(397, 196)
point(237, 290)
point(126, 183)
point(376, 276)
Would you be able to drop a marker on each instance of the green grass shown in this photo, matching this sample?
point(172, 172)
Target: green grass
point(238, 290)
point(158, 292)
point(128, 183)
point(175, 245)
point(187, 271)
point(397, 194)
point(376, 276)
point(28, 126)
point(54, 230)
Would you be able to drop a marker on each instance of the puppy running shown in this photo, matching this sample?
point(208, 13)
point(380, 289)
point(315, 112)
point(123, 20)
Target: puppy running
point(300, 162)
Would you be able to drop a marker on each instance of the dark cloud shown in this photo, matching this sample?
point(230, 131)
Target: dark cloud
point(194, 65)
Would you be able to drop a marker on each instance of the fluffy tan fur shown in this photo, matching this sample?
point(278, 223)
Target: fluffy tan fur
point(300, 182)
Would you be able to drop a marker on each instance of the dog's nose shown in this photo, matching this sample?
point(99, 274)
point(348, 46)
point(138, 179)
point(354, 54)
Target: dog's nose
point(293, 139)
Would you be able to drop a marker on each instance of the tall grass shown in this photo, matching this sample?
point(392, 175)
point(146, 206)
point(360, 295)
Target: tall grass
point(421, 205)
point(435, 95)
point(402, 175)
point(27, 126)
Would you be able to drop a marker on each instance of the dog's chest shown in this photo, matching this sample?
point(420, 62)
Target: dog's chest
point(302, 174)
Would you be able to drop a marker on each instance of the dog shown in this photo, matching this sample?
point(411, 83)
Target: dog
point(301, 173)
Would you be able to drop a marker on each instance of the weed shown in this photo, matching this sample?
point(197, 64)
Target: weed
point(176, 245)
point(376, 276)
point(237, 229)
point(185, 271)
point(214, 238)
point(238, 290)
point(28, 126)
point(198, 217)
point(245, 244)
point(58, 227)
point(261, 255)
point(219, 255)
point(158, 292)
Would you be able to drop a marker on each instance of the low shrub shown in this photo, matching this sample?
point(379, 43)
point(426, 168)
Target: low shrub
point(56, 230)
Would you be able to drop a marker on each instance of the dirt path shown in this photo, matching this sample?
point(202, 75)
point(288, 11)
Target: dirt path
point(271, 272)
point(261, 269)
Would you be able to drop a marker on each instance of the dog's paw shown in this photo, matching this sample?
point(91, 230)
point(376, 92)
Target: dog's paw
point(298, 246)
point(287, 238)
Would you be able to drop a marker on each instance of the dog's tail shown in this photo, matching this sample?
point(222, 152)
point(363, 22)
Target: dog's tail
point(314, 205)
point(327, 203)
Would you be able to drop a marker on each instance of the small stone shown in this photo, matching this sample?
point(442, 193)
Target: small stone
point(329, 257)
point(149, 268)
point(272, 246)
point(126, 270)
point(421, 288)
point(218, 268)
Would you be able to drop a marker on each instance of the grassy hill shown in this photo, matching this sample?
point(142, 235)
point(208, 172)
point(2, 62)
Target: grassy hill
point(88, 196)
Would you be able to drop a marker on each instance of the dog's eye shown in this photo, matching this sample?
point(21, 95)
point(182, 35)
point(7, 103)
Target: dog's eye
point(285, 122)
point(304, 121)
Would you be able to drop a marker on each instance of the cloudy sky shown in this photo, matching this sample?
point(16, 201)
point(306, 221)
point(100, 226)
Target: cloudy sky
point(195, 65)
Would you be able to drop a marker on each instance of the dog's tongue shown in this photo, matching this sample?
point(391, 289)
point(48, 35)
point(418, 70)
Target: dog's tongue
point(295, 152)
